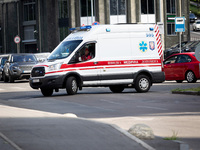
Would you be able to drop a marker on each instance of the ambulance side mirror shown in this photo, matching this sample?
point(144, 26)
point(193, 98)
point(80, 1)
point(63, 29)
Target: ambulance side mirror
point(75, 58)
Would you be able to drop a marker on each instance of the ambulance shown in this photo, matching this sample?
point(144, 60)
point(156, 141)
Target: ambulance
point(115, 56)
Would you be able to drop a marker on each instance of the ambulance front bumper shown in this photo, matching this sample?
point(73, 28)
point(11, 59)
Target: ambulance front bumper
point(47, 82)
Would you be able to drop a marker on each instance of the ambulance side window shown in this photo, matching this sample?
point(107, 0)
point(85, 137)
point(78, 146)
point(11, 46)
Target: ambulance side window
point(86, 53)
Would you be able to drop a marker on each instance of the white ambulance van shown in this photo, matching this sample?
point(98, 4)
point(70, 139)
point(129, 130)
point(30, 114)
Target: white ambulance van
point(115, 56)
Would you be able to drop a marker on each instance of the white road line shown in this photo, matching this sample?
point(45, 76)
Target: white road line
point(10, 142)
point(82, 105)
point(110, 102)
point(152, 107)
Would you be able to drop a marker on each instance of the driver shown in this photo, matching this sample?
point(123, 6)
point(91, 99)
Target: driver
point(87, 55)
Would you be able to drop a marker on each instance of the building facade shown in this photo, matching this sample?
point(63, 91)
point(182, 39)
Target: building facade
point(43, 24)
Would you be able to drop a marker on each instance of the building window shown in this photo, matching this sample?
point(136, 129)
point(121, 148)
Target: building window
point(29, 10)
point(147, 11)
point(64, 31)
point(147, 6)
point(29, 32)
point(117, 7)
point(63, 9)
point(63, 18)
point(171, 11)
point(171, 6)
point(86, 7)
point(171, 29)
point(87, 15)
point(117, 11)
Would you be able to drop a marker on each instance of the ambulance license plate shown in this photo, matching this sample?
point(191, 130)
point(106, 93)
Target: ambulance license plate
point(36, 80)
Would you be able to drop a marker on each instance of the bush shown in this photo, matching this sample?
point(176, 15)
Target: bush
point(195, 10)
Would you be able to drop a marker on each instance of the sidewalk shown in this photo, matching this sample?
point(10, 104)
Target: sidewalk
point(24, 129)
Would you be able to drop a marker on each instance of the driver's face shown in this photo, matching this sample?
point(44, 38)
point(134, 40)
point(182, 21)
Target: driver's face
point(86, 52)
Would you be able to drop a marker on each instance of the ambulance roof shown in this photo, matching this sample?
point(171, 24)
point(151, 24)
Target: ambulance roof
point(81, 33)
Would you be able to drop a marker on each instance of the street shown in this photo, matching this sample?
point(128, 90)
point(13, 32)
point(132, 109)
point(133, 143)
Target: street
point(195, 35)
point(164, 112)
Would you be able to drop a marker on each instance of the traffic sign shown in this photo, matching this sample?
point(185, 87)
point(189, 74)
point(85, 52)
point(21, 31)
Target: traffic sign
point(17, 39)
point(95, 23)
point(179, 24)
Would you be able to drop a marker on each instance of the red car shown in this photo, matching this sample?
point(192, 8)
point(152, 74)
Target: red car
point(182, 66)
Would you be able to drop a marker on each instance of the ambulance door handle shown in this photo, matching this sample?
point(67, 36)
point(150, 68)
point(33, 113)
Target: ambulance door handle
point(95, 62)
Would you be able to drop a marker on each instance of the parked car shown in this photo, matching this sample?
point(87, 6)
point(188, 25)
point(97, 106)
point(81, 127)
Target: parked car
point(182, 66)
point(196, 25)
point(3, 59)
point(191, 47)
point(18, 66)
point(174, 47)
point(192, 17)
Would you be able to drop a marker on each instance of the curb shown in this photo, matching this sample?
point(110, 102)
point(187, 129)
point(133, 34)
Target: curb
point(145, 145)
point(183, 146)
point(186, 92)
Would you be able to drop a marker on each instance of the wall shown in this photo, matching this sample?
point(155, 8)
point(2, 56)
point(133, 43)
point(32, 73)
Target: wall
point(9, 23)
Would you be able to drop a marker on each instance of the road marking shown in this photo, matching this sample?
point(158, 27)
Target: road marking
point(110, 102)
point(152, 107)
point(10, 142)
point(82, 105)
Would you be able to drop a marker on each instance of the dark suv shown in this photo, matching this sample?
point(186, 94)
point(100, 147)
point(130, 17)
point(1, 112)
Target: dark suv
point(18, 66)
point(3, 59)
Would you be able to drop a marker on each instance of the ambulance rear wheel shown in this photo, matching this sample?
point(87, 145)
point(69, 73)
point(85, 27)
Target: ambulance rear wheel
point(142, 83)
point(71, 86)
point(47, 91)
point(116, 88)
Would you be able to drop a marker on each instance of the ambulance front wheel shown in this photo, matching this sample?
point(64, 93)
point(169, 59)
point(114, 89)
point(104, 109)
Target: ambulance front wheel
point(142, 83)
point(71, 85)
point(47, 91)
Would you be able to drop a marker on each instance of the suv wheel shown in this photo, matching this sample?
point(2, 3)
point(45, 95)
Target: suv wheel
point(71, 85)
point(46, 91)
point(142, 83)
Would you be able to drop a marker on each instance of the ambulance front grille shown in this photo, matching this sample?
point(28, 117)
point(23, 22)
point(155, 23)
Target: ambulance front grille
point(38, 72)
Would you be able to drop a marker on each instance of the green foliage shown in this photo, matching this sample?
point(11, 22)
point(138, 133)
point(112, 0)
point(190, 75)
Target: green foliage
point(195, 10)
point(173, 137)
point(190, 89)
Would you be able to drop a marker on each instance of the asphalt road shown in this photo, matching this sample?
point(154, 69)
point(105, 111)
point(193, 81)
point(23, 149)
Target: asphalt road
point(166, 113)
point(194, 35)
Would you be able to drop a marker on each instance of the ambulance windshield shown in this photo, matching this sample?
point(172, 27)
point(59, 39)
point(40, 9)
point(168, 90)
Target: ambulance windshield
point(64, 49)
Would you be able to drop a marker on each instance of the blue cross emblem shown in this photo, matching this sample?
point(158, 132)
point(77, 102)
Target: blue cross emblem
point(143, 46)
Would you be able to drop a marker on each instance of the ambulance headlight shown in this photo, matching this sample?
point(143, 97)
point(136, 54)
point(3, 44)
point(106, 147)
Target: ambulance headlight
point(55, 66)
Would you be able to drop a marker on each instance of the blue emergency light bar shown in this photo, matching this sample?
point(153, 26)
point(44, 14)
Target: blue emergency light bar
point(85, 27)
point(80, 28)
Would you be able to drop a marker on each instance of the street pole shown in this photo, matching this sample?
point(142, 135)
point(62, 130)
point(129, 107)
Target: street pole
point(18, 44)
point(92, 12)
point(180, 32)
